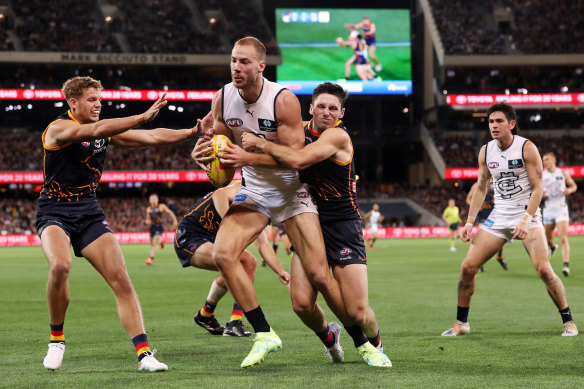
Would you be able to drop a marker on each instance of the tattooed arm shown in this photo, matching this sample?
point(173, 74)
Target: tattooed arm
point(534, 168)
point(478, 195)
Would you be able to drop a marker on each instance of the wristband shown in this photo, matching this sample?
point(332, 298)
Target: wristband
point(470, 220)
point(527, 218)
point(468, 224)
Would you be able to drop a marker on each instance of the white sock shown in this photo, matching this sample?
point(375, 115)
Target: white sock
point(216, 293)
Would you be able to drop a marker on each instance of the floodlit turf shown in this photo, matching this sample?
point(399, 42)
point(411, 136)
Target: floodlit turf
point(515, 339)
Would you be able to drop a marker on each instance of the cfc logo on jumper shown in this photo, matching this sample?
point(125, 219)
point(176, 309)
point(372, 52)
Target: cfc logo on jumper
point(507, 186)
point(234, 122)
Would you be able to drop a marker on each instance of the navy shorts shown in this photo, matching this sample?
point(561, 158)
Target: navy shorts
point(156, 229)
point(370, 41)
point(453, 227)
point(483, 215)
point(360, 60)
point(187, 242)
point(81, 228)
point(344, 243)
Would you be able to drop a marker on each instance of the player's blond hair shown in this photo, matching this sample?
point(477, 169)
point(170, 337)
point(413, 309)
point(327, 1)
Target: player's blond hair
point(73, 88)
point(255, 42)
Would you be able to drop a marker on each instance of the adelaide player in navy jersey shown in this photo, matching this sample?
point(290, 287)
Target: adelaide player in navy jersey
point(154, 214)
point(68, 214)
point(194, 243)
point(326, 165)
point(369, 31)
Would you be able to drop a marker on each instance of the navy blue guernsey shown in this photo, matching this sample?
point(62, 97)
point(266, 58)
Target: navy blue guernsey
point(72, 173)
point(332, 184)
point(155, 215)
point(203, 215)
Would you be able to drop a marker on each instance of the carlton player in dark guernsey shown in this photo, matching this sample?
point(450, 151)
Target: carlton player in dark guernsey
point(68, 214)
point(326, 165)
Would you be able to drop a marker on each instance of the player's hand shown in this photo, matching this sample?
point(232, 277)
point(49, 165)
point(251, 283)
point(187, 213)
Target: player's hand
point(233, 156)
point(520, 232)
point(204, 127)
point(201, 154)
point(465, 233)
point(155, 108)
point(285, 279)
point(251, 141)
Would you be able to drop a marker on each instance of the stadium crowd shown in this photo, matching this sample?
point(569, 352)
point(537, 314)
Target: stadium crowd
point(62, 26)
point(500, 80)
point(532, 27)
point(462, 151)
point(143, 27)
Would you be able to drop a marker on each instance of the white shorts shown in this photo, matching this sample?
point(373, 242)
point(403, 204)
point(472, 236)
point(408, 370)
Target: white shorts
point(277, 205)
point(373, 228)
point(553, 215)
point(504, 228)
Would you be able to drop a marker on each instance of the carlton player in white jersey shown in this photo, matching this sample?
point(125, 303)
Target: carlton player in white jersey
point(516, 168)
point(269, 191)
point(557, 184)
point(373, 218)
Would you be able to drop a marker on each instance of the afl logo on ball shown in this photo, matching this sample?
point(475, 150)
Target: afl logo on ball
point(234, 122)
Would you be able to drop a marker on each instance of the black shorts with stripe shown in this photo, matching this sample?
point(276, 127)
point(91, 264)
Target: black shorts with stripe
point(82, 222)
point(156, 229)
point(187, 241)
point(343, 241)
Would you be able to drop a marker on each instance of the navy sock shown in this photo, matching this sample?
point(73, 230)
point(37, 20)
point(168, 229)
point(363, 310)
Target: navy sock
point(327, 337)
point(355, 332)
point(462, 314)
point(566, 314)
point(376, 341)
point(257, 320)
point(141, 345)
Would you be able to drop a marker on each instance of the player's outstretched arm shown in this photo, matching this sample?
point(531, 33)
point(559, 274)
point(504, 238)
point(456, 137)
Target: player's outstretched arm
point(330, 142)
point(162, 136)
point(64, 132)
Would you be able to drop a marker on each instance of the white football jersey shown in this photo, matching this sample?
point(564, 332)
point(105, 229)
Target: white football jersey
point(554, 185)
point(512, 188)
point(374, 218)
point(260, 118)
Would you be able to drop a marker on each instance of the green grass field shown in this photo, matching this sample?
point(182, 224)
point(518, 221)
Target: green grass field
point(302, 62)
point(515, 339)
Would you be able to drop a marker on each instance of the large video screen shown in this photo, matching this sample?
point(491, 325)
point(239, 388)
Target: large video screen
point(312, 51)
